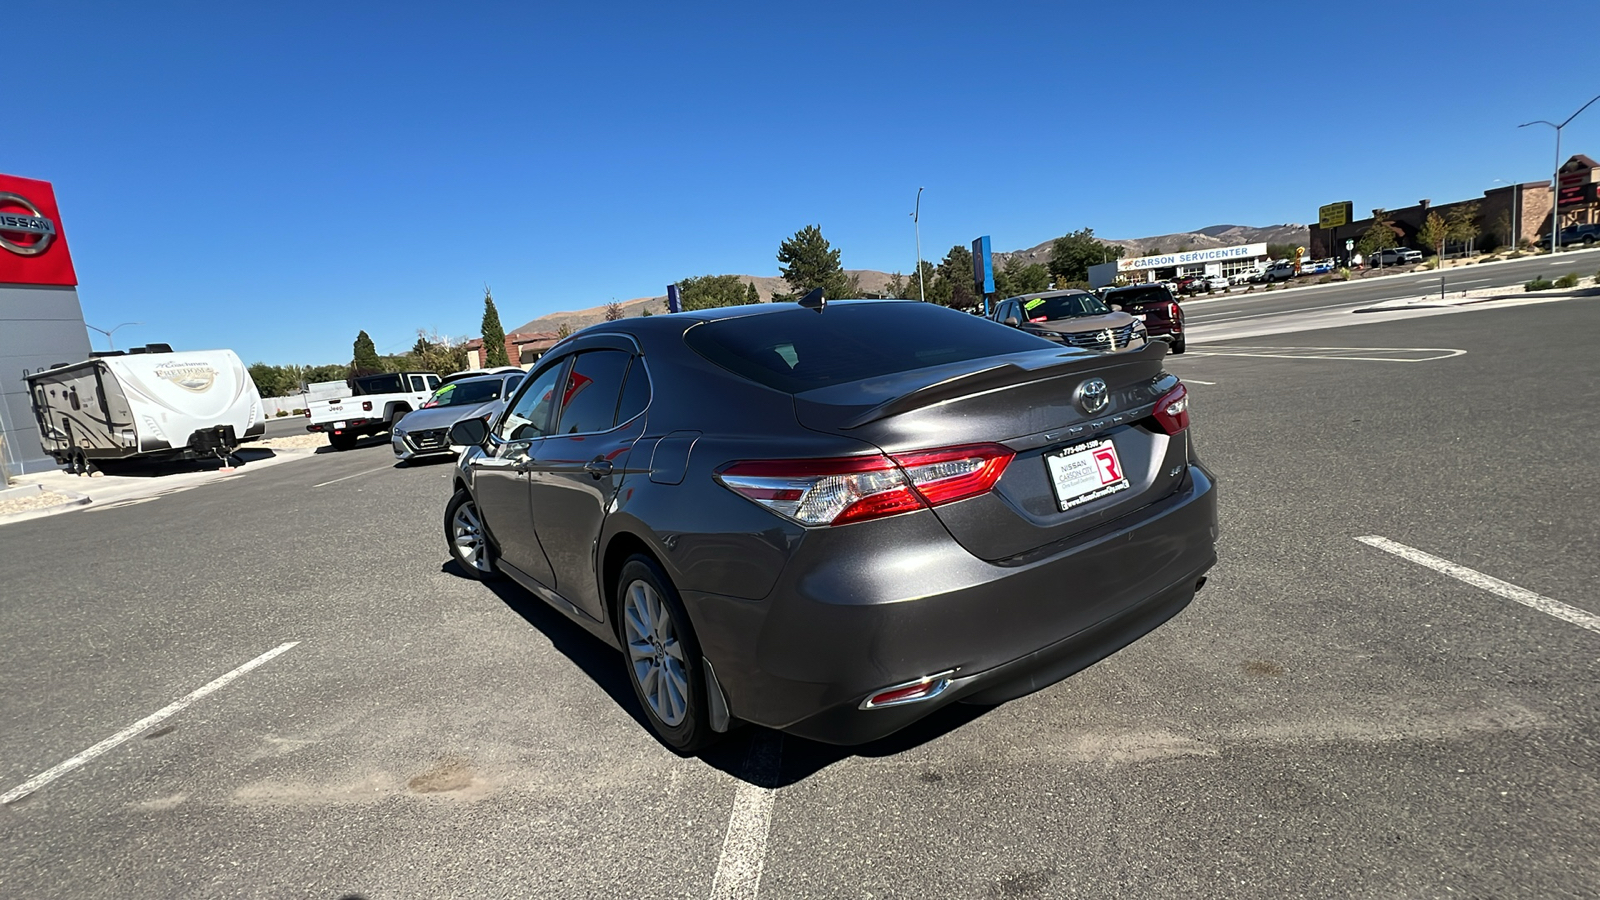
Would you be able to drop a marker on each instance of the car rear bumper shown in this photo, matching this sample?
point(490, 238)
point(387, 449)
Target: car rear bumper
point(858, 618)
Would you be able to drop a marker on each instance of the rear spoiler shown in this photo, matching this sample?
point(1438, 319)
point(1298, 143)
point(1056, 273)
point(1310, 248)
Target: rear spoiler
point(996, 377)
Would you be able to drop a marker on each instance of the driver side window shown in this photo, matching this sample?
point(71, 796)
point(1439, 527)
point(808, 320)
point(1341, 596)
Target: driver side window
point(529, 417)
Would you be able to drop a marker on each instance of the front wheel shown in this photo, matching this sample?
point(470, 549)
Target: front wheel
point(467, 538)
point(662, 656)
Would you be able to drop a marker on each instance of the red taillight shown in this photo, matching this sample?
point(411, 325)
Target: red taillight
point(1172, 410)
point(853, 489)
point(1172, 311)
point(366, 406)
point(308, 413)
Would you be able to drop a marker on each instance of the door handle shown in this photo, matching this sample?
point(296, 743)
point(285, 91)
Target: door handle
point(599, 468)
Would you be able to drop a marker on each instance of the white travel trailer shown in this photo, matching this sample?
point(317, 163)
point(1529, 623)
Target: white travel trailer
point(148, 403)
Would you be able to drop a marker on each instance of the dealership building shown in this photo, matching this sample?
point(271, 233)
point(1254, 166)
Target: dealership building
point(41, 321)
point(1167, 266)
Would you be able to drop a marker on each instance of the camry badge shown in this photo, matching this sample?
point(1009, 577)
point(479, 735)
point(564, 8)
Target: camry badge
point(14, 224)
point(1093, 395)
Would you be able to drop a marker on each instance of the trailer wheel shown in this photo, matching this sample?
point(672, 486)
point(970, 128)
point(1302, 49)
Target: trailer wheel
point(342, 442)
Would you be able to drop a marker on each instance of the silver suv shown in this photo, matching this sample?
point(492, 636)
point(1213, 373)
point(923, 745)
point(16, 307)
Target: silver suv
point(1396, 256)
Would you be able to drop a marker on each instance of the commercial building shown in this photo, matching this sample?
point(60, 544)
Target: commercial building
point(41, 320)
point(1223, 261)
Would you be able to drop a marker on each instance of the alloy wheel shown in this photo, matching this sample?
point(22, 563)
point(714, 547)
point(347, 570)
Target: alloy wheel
point(466, 532)
point(655, 654)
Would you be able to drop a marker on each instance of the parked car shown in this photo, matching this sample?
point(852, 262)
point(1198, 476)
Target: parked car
point(469, 373)
point(1215, 283)
point(1277, 270)
point(1395, 256)
point(1075, 318)
point(1317, 267)
point(426, 432)
point(376, 403)
point(890, 507)
point(1246, 277)
point(1155, 304)
point(1190, 284)
point(1575, 235)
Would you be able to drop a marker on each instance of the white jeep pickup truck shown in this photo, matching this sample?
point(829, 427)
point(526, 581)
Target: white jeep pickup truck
point(375, 403)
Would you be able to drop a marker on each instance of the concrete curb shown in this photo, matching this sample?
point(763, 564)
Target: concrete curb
point(74, 500)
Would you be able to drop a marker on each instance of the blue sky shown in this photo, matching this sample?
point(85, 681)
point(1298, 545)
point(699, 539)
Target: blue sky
point(275, 177)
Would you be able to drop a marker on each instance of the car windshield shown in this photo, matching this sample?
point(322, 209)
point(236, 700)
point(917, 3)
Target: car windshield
point(467, 393)
point(1069, 306)
point(800, 350)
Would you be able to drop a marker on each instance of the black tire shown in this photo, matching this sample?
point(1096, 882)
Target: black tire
point(1177, 346)
point(692, 731)
point(478, 561)
point(342, 442)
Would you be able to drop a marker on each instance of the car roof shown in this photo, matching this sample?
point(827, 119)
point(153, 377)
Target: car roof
point(1065, 292)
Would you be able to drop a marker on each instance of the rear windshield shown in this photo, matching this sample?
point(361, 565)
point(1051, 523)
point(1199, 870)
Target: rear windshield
point(1139, 296)
point(800, 350)
point(379, 384)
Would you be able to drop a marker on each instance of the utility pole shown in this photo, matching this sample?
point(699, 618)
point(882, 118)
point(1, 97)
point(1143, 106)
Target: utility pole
point(1555, 178)
point(916, 224)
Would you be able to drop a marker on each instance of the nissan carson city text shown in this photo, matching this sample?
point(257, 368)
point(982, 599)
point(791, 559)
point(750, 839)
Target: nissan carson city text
point(834, 518)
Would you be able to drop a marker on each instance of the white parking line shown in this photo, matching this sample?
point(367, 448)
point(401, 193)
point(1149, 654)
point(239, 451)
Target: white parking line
point(1343, 353)
point(1193, 381)
point(176, 706)
point(356, 475)
point(744, 849)
point(1506, 589)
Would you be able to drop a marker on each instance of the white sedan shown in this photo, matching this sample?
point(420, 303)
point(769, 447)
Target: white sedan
point(1215, 283)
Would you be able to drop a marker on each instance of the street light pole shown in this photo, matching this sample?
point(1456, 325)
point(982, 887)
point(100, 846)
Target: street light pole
point(916, 224)
point(109, 344)
point(1555, 178)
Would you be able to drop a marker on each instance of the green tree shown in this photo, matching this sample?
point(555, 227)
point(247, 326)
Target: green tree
point(613, 311)
point(365, 361)
point(807, 262)
point(713, 291)
point(438, 354)
point(494, 334)
point(1461, 223)
point(272, 381)
point(955, 275)
point(751, 295)
point(1380, 235)
point(1434, 232)
point(1013, 278)
point(564, 331)
point(1072, 254)
point(1282, 251)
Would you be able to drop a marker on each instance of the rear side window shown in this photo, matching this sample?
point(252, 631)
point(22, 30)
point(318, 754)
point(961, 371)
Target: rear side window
point(800, 350)
point(635, 392)
point(594, 385)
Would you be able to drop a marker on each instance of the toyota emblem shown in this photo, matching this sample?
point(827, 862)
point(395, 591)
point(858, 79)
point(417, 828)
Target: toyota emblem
point(1093, 395)
point(14, 224)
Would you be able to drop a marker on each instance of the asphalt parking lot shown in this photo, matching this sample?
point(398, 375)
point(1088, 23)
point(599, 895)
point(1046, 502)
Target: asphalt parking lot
point(1327, 719)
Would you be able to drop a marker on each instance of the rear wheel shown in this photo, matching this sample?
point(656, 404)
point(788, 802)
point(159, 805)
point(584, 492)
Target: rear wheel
point(662, 656)
point(1177, 346)
point(342, 442)
point(467, 538)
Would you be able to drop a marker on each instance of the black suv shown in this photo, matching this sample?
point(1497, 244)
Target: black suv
point(1163, 317)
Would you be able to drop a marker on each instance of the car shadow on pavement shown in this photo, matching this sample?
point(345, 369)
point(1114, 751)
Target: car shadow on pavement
point(157, 468)
point(800, 758)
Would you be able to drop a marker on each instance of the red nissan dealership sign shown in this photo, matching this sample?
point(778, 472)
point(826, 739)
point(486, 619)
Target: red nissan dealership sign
point(33, 248)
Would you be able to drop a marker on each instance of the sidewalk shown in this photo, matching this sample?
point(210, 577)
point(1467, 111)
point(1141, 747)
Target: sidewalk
point(50, 493)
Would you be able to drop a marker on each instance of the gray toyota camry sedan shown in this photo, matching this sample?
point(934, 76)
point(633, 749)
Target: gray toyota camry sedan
point(833, 519)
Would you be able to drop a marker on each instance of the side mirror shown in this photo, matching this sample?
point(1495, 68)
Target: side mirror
point(1116, 307)
point(469, 432)
point(1013, 321)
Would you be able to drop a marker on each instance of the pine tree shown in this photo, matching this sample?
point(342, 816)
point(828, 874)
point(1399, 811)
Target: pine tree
point(494, 334)
point(751, 295)
point(807, 262)
point(366, 360)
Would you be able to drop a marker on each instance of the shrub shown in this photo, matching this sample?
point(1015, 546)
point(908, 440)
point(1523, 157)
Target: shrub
point(1326, 279)
point(1344, 273)
point(282, 413)
point(1432, 263)
point(297, 412)
point(1569, 280)
point(1539, 284)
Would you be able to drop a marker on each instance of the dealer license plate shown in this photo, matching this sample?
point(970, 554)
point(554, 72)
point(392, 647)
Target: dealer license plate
point(340, 424)
point(1085, 472)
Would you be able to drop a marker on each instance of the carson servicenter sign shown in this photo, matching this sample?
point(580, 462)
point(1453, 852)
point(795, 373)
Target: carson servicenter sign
point(1191, 257)
point(33, 249)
